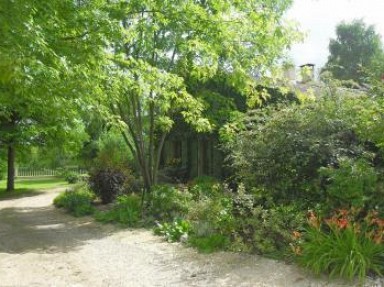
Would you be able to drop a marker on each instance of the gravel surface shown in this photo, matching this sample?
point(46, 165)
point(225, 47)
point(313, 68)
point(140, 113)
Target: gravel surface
point(43, 246)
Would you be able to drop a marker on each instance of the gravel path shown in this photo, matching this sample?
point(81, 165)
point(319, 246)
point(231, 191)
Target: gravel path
point(43, 246)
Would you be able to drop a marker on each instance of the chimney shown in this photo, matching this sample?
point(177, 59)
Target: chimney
point(307, 73)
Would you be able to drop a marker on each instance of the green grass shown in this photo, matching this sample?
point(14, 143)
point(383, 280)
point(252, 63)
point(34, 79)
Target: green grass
point(29, 186)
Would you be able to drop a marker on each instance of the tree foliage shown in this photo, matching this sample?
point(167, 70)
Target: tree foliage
point(132, 60)
point(355, 48)
point(47, 54)
point(171, 45)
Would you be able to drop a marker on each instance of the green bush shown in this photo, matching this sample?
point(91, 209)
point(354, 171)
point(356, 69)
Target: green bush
point(266, 231)
point(212, 222)
point(165, 203)
point(343, 247)
point(210, 243)
point(173, 231)
point(352, 183)
point(210, 216)
point(126, 210)
point(204, 186)
point(112, 150)
point(72, 177)
point(282, 151)
point(218, 219)
point(78, 202)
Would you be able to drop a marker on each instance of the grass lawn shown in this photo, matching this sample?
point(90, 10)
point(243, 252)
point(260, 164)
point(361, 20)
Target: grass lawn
point(26, 186)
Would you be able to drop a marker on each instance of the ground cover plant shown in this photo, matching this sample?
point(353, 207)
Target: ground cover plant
point(77, 201)
point(127, 210)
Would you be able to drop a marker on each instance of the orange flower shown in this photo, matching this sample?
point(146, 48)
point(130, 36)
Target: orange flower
point(313, 220)
point(296, 250)
point(342, 223)
point(296, 235)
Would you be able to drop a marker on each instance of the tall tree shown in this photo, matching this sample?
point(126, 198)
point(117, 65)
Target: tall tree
point(48, 51)
point(353, 51)
point(171, 44)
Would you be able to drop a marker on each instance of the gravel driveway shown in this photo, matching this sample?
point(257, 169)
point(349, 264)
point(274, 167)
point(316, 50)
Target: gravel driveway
point(43, 246)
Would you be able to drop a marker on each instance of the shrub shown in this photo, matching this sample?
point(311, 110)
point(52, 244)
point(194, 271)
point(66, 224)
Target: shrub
point(267, 231)
point(210, 243)
point(281, 151)
point(344, 246)
point(204, 186)
point(352, 183)
point(167, 202)
point(107, 182)
point(112, 150)
point(173, 231)
point(111, 173)
point(211, 216)
point(71, 177)
point(78, 202)
point(127, 210)
point(212, 222)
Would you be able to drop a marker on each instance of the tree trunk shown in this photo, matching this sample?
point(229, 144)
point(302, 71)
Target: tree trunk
point(11, 168)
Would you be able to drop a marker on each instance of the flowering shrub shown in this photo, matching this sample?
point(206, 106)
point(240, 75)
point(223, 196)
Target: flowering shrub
point(376, 227)
point(348, 244)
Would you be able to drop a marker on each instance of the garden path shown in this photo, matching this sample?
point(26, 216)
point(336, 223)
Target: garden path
point(43, 246)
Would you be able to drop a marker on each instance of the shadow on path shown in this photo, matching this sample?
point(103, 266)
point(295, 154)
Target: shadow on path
point(44, 229)
point(20, 193)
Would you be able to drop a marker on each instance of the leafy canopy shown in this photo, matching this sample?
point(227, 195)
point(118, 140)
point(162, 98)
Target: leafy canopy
point(170, 45)
point(355, 48)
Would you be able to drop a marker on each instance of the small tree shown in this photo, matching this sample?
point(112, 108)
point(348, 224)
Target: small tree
point(171, 45)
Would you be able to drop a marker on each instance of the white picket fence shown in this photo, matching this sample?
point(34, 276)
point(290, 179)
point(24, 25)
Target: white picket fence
point(42, 172)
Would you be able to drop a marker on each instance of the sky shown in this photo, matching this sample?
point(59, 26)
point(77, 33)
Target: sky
point(318, 19)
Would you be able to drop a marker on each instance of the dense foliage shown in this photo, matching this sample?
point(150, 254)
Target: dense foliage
point(77, 202)
point(357, 46)
point(126, 210)
point(169, 46)
point(107, 182)
point(110, 172)
point(124, 72)
point(325, 156)
point(48, 52)
point(347, 244)
point(326, 151)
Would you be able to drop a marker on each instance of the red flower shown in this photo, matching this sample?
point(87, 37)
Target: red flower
point(342, 223)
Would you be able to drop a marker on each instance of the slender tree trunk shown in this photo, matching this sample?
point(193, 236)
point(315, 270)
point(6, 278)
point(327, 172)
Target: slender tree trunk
point(158, 157)
point(11, 168)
